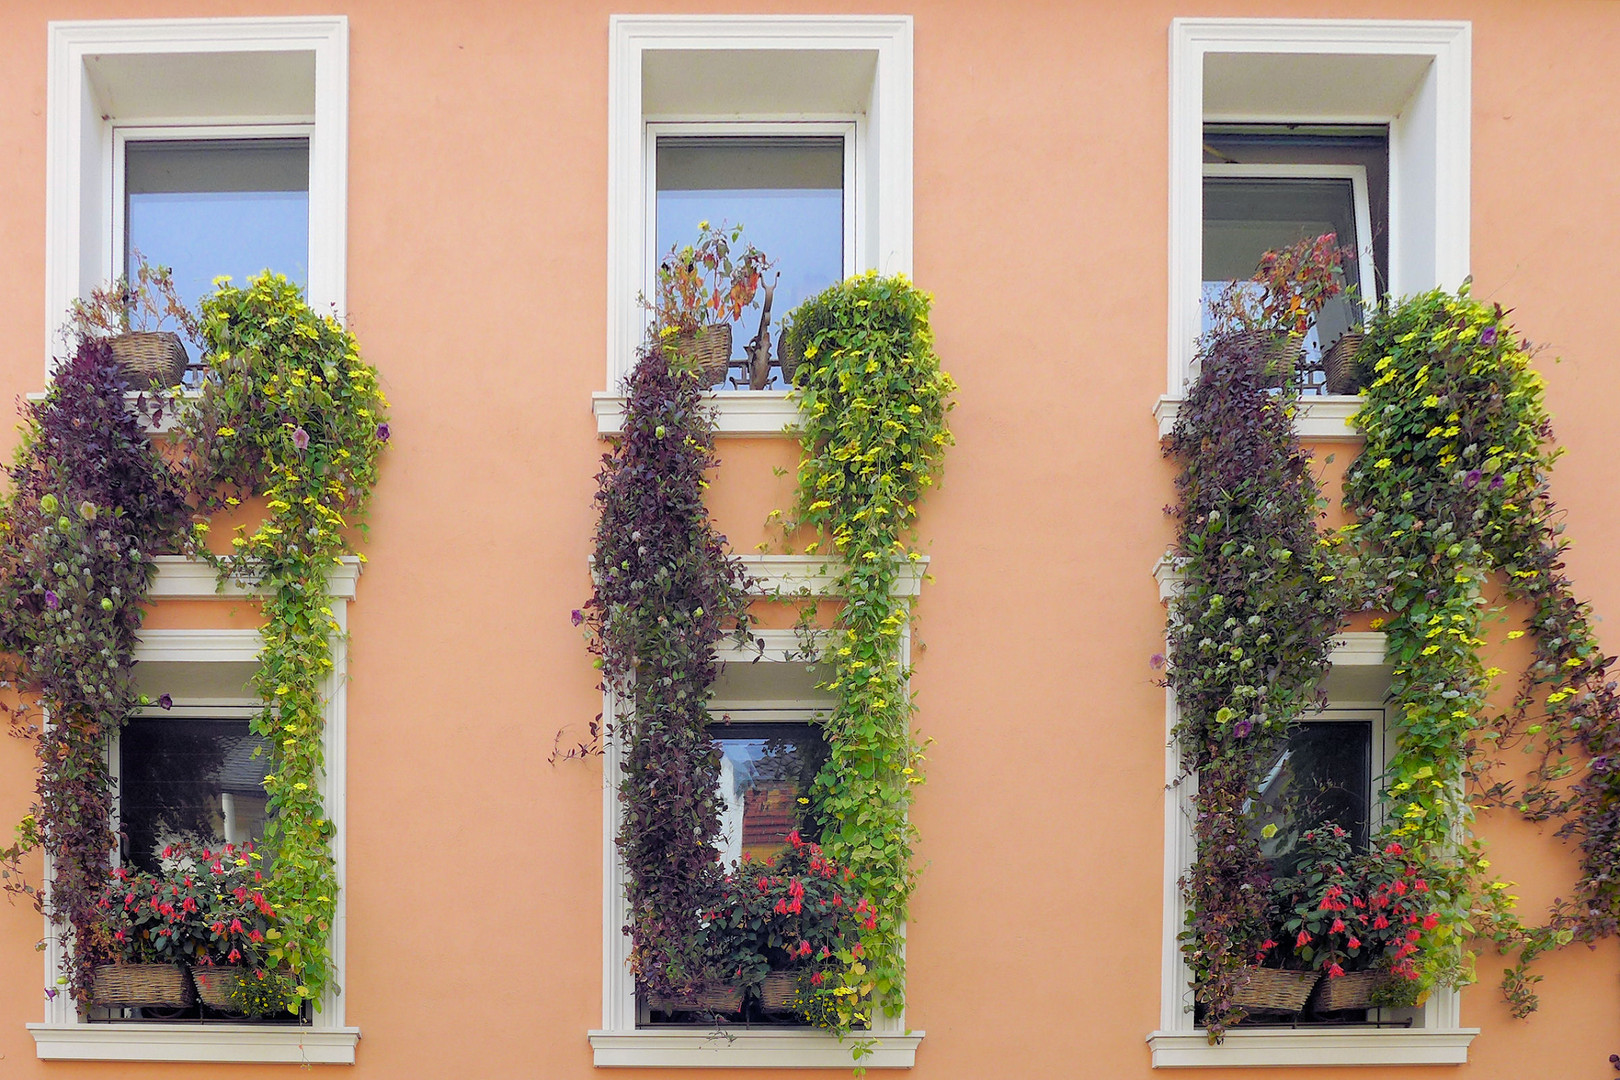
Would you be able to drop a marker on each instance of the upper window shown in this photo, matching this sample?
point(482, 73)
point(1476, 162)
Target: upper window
point(789, 192)
point(765, 769)
point(797, 127)
point(1265, 190)
point(212, 146)
point(1325, 96)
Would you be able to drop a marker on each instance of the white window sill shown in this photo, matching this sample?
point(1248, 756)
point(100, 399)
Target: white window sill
point(747, 1049)
point(1318, 418)
point(1327, 1047)
point(218, 1043)
point(170, 408)
point(736, 412)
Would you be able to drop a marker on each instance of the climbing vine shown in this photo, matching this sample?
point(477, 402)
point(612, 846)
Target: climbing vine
point(1451, 490)
point(289, 412)
point(665, 590)
point(90, 506)
point(873, 402)
point(1262, 597)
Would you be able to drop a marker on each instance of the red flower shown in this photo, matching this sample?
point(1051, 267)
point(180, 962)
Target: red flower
point(236, 926)
point(804, 948)
point(1303, 940)
point(857, 950)
point(1335, 971)
point(1354, 942)
point(1430, 921)
point(1337, 927)
point(1380, 923)
point(817, 979)
point(1394, 849)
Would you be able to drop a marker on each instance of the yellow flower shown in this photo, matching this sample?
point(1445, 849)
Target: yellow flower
point(1515, 634)
point(1382, 463)
point(1378, 624)
point(225, 432)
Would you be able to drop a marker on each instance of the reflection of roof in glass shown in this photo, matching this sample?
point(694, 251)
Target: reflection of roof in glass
point(241, 771)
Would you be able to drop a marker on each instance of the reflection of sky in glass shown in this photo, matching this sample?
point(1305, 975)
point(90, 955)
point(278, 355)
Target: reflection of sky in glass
point(203, 234)
point(762, 778)
point(800, 229)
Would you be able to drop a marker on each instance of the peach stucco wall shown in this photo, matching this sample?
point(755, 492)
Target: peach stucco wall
point(477, 269)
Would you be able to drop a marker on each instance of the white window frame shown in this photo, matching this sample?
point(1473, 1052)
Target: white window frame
point(104, 75)
point(845, 70)
point(1357, 686)
point(620, 1042)
point(63, 1036)
point(124, 134)
point(1429, 148)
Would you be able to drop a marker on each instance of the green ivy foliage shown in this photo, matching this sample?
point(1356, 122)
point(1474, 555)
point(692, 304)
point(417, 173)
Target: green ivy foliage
point(289, 411)
point(666, 588)
point(873, 401)
point(1451, 490)
point(1263, 595)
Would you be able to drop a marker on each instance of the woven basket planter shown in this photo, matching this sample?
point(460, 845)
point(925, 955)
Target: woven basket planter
point(708, 350)
point(776, 992)
point(1279, 353)
point(788, 357)
point(708, 998)
point(1352, 991)
point(150, 356)
point(1339, 364)
point(1276, 991)
point(141, 985)
point(216, 986)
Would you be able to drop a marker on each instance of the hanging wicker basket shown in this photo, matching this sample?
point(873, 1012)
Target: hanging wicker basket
point(156, 356)
point(706, 349)
point(1280, 354)
point(788, 356)
point(706, 998)
point(1270, 990)
point(141, 985)
point(216, 986)
point(1352, 991)
point(1339, 364)
point(776, 992)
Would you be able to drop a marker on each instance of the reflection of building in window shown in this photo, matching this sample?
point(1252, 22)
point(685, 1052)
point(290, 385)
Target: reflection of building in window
point(786, 191)
point(1322, 775)
point(188, 780)
point(765, 769)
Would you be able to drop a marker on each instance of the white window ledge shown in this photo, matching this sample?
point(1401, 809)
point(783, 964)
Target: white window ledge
point(695, 1049)
point(1318, 418)
point(1292, 1046)
point(195, 1042)
point(736, 412)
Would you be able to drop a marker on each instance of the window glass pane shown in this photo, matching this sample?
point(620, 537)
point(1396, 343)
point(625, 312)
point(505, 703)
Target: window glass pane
point(787, 193)
point(206, 207)
point(1322, 775)
point(195, 780)
point(1244, 217)
point(765, 769)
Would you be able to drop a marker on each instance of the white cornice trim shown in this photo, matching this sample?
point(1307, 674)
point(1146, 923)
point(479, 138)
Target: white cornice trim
point(182, 578)
point(815, 575)
point(1288, 1046)
point(217, 1043)
point(198, 646)
point(736, 412)
point(740, 1048)
point(1317, 418)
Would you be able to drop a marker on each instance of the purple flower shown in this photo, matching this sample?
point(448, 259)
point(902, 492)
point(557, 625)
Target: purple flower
point(1487, 336)
point(165, 702)
point(1242, 728)
point(382, 432)
point(1496, 482)
point(50, 993)
point(576, 617)
point(300, 438)
point(1156, 661)
point(52, 601)
point(1474, 476)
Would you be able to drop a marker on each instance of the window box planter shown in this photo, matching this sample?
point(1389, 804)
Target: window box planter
point(716, 998)
point(708, 348)
point(776, 992)
point(1351, 991)
point(141, 986)
point(150, 356)
point(1271, 990)
point(216, 986)
point(1339, 364)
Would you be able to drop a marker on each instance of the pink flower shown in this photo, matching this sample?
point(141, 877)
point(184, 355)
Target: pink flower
point(300, 438)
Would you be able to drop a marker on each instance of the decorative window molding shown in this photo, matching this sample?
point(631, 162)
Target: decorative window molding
point(777, 678)
point(1413, 76)
point(1359, 680)
point(738, 68)
point(206, 671)
point(241, 75)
